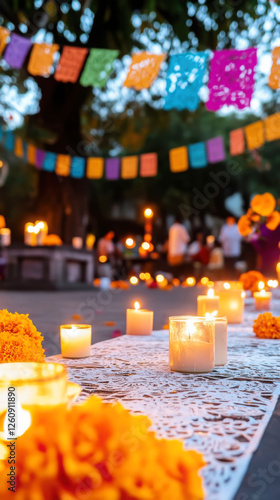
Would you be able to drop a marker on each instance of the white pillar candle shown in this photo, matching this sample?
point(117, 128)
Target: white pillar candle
point(139, 321)
point(262, 300)
point(231, 301)
point(207, 303)
point(220, 341)
point(191, 344)
point(5, 237)
point(75, 341)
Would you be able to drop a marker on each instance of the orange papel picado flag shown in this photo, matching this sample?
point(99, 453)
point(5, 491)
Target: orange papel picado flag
point(19, 151)
point(237, 142)
point(41, 58)
point(95, 168)
point(70, 64)
point(148, 165)
point(31, 154)
point(4, 35)
point(178, 159)
point(129, 168)
point(272, 127)
point(143, 70)
point(255, 135)
point(274, 77)
point(63, 163)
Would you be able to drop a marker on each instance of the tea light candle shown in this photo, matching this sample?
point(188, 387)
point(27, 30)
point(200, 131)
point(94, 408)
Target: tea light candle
point(262, 300)
point(231, 301)
point(139, 321)
point(191, 344)
point(5, 236)
point(75, 341)
point(207, 303)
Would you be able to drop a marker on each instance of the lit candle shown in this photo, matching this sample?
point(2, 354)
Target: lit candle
point(75, 341)
point(77, 242)
point(191, 344)
point(207, 303)
point(5, 236)
point(231, 301)
point(30, 237)
point(41, 230)
point(139, 321)
point(262, 300)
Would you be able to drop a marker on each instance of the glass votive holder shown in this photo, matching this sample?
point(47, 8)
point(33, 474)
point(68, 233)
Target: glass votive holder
point(75, 341)
point(191, 344)
point(220, 341)
point(232, 296)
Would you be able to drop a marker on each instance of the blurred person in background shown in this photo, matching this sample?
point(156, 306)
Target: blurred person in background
point(230, 239)
point(178, 240)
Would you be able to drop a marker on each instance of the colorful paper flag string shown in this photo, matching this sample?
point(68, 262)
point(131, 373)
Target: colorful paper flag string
point(272, 127)
point(197, 155)
point(4, 35)
point(63, 163)
point(40, 156)
point(178, 158)
point(112, 169)
point(232, 78)
point(19, 151)
point(274, 77)
point(78, 167)
point(216, 150)
point(16, 51)
point(31, 154)
point(237, 142)
point(95, 168)
point(41, 59)
point(255, 135)
point(70, 64)
point(129, 167)
point(9, 141)
point(98, 67)
point(49, 162)
point(148, 165)
point(143, 70)
point(184, 80)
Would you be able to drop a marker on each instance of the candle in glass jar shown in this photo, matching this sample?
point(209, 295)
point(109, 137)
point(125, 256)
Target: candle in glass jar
point(262, 300)
point(191, 344)
point(220, 341)
point(207, 304)
point(139, 321)
point(75, 341)
point(231, 301)
point(5, 236)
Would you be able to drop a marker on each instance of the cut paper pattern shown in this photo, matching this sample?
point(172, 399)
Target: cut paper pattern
point(197, 155)
point(143, 70)
point(216, 150)
point(272, 127)
point(31, 154)
point(95, 168)
point(232, 78)
point(98, 67)
point(41, 59)
point(63, 163)
point(129, 167)
point(148, 165)
point(112, 169)
point(178, 159)
point(40, 156)
point(16, 51)
point(49, 162)
point(274, 77)
point(9, 141)
point(70, 64)
point(237, 142)
point(4, 35)
point(19, 151)
point(184, 80)
point(78, 167)
point(255, 135)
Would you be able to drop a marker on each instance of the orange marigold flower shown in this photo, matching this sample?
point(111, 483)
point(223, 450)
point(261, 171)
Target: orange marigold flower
point(251, 280)
point(263, 204)
point(273, 221)
point(244, 225)
point(98, 450)
point(267, 326)
point(19, 339)
point(52, 240)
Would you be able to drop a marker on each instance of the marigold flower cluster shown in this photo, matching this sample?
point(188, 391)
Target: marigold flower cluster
point(251, 279)
point(99, 451)
point(19, 339)
point(267, 326)
point(261, 211)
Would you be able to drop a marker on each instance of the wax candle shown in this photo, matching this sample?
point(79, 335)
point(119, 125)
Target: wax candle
point(262, 300)
point(191, 344)
point(30, 237)
point(207, 303)
point(77, 242)
point(231, 301)
point(75, 341)
point(139, 321)
point(5, 237)
point(220, 341)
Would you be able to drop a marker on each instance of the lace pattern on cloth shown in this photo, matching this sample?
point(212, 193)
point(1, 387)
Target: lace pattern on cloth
point(223, 414)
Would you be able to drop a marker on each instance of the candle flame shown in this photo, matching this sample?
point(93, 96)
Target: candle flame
point(227, 286)
point(243, 295)
point(211, 315)
point(272, 283)
point(210, 292)
point(261, 285)
point(262, 293)
point(23, 420)
point(137, 306)
point(191, 329)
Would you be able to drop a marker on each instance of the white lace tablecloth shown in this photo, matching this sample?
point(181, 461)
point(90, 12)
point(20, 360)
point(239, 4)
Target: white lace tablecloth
point(223, 414)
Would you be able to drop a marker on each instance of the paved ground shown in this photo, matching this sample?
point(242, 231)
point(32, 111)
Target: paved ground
point(48, 310)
